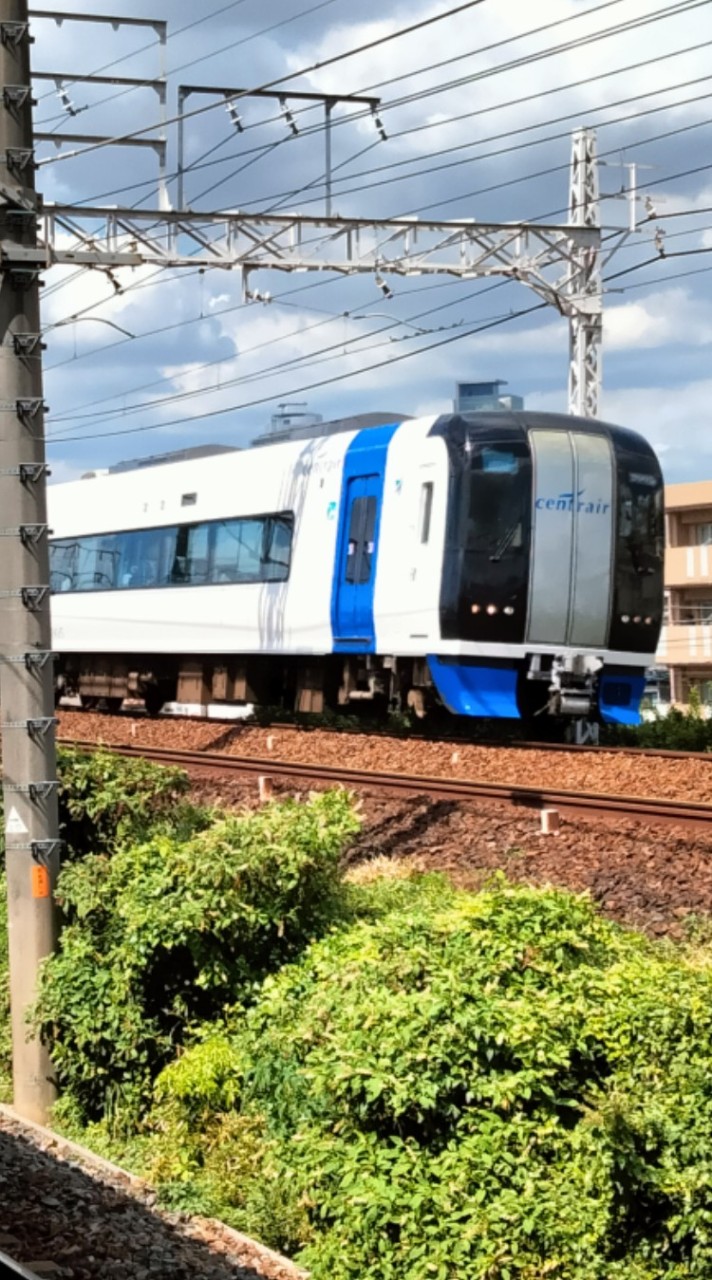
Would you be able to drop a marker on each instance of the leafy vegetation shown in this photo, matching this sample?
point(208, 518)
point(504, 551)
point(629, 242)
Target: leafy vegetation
point(392, 1079)
point(107, 800)
point(680, 729)
point(501, 1085)
point(166, 932)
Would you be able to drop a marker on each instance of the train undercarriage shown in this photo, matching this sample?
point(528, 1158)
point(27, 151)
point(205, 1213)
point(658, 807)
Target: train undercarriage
point(548, 689)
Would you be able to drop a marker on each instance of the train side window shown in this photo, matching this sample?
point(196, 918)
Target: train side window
point(63, 554)
point(253, 549)
point(191, 554)
point(97, 562)
point(426, 510)
point(276, 548)
point(359, 551)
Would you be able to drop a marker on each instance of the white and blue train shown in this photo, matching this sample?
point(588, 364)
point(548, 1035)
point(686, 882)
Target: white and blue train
point(501, 565)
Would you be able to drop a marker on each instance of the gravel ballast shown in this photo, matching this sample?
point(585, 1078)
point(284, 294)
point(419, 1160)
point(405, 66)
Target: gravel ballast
point(649, 877)
point(605, 772)
point(71, 1216)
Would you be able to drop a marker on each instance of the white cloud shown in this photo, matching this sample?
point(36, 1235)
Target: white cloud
point(668, 317)
point(673, 323)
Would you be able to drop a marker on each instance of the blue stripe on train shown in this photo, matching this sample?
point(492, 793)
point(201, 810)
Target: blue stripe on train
point(470, 688)
point(619, 697)
point(352, 621)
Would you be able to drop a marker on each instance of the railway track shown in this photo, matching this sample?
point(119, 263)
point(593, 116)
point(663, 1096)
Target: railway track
point(453, 739)
point(589, 804)
point(11, 1270)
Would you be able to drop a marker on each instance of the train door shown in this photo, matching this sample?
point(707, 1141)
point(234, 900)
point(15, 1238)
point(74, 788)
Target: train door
point(572, 523)
point(353, 611)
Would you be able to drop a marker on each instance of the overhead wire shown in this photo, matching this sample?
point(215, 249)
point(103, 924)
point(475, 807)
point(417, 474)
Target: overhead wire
point(295, 391)
point(280, 80)
point(334, 351)
point(307, 108)
point(504, 136)
point(646, 95)
point(254, 35)
point(454, 301)
point(654, 182)
point(171, 35)
point(669, 11)
point(558, 168)
point(331, 317)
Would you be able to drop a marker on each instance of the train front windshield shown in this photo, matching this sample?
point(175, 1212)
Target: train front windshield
point(489, 526)
point(636, 614)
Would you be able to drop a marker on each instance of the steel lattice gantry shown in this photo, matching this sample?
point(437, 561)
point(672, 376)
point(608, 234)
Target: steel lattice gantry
point(547, 258)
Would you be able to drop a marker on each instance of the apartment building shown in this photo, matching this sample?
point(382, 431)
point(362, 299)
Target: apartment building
point(686, 639)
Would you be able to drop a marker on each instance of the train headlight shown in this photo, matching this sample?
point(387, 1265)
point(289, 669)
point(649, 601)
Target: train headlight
point(491, 609)
point(625, 617)
point(508, 610)
point(637, 618)
point(474, 608)
point(648, 622)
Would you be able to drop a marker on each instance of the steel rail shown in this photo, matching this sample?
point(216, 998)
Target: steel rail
point(575, 803)
point(454, 740)
point(12, 1270)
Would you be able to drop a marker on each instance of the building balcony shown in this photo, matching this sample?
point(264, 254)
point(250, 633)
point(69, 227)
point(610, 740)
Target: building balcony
point(682, 645)
point(688, 566)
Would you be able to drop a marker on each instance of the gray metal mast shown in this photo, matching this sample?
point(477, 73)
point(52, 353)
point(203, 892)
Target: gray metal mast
point(585, 289)
point(26, 684)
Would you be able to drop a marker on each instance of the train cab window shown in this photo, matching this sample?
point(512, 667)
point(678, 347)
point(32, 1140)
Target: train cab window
point(426, 511)
point(486, 570)
point(359, 550)
point(498, 506)
point(639, 549)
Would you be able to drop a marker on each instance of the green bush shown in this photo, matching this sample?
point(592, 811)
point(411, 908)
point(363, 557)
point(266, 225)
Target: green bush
point(166, 933)
point(679, 730)
point(494, 1087)
point(106, 800)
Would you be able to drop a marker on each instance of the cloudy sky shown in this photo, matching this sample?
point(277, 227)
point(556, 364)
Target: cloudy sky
point(478, 109)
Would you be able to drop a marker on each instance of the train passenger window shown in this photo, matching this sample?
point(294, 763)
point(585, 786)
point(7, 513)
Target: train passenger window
point(96, 563)
point(249, 543)
point(190, 559)
point(277, 549)
point(426, 510)
point(236, 553)
point(256, 549)
point(62, 564)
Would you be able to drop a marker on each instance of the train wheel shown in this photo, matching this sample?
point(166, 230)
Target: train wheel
point(88, 703)
point(113, 705)
point(153, 699)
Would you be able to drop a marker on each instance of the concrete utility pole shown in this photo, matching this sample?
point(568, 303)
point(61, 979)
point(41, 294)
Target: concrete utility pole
point(26, 683)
